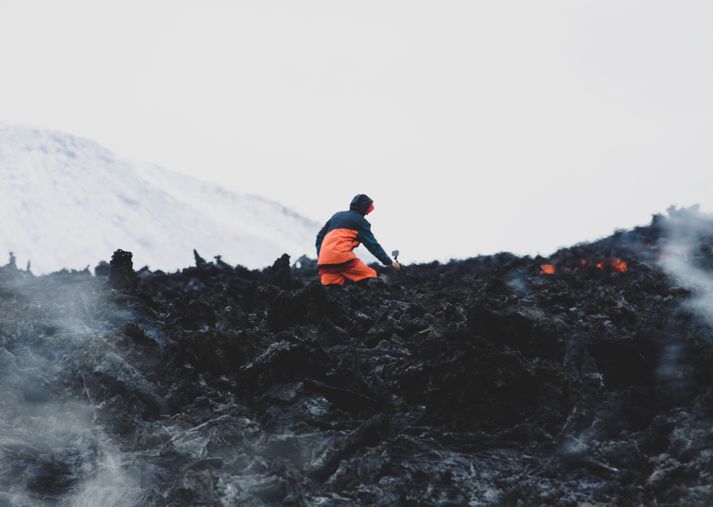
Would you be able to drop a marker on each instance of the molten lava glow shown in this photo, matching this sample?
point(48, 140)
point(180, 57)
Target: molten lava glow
point(548, 269)
point(613, 263)
point(619, 265)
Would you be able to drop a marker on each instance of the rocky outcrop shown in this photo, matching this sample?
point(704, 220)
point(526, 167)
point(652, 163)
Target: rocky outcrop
point(491, 381)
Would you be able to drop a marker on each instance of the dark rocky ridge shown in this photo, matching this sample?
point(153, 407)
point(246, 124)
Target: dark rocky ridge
point(481, 382)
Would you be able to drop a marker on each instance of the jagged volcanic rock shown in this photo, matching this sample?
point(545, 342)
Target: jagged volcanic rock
point(490, 381)
point(121, 271)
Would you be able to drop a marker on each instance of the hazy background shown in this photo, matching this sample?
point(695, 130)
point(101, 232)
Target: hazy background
point(476, 126)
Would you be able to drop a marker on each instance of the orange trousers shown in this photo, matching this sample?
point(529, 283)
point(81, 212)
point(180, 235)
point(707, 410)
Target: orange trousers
point(354, 270)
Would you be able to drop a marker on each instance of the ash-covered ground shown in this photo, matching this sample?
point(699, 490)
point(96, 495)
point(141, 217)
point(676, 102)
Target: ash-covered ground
point(581, 379)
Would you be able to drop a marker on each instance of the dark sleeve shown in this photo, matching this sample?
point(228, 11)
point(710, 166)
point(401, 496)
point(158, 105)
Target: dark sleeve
point(320, 237)
point(369, 241)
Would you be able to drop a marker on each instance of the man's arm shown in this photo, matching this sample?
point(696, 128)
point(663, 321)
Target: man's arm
point(366, 237)
point(320, 237)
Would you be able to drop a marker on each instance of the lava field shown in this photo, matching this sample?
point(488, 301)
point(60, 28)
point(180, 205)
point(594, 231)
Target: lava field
point(579, 379)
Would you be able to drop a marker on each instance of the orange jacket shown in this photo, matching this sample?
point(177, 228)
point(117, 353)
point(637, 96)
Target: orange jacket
point(344, 232)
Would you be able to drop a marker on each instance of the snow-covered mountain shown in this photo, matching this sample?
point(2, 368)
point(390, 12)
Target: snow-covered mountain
point(68, 202)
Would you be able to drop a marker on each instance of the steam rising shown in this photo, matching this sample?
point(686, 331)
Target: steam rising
point(52, 451)
point(687, 256)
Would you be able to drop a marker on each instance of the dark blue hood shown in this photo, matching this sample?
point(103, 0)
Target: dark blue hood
point(361, 203)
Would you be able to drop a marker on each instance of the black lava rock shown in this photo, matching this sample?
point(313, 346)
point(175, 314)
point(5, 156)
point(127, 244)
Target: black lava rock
point(579, 379)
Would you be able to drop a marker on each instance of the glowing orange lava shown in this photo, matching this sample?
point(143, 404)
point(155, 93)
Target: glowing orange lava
point(606, 263)
point(548, 269)
point(619, 265)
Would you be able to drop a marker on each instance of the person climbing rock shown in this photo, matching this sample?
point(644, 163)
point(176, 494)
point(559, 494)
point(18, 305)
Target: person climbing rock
point(340, 236)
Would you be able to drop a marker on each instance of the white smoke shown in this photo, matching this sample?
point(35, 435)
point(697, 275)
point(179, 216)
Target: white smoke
point(52, 451)
point(686, 249)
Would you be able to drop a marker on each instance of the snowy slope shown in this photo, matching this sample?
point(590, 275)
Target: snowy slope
point(68, 202)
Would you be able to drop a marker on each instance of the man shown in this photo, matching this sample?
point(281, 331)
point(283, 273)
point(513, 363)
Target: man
point(340, 236)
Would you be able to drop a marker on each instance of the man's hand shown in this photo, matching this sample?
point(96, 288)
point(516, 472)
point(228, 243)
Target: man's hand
point(396, 265)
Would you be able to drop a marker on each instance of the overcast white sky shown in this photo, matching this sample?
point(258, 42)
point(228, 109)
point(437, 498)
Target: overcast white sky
point(476, 126)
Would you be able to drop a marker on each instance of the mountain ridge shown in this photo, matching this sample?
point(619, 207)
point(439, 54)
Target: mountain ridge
point(70, 202)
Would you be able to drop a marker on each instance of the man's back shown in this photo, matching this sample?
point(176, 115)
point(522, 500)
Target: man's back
point(340, 236)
